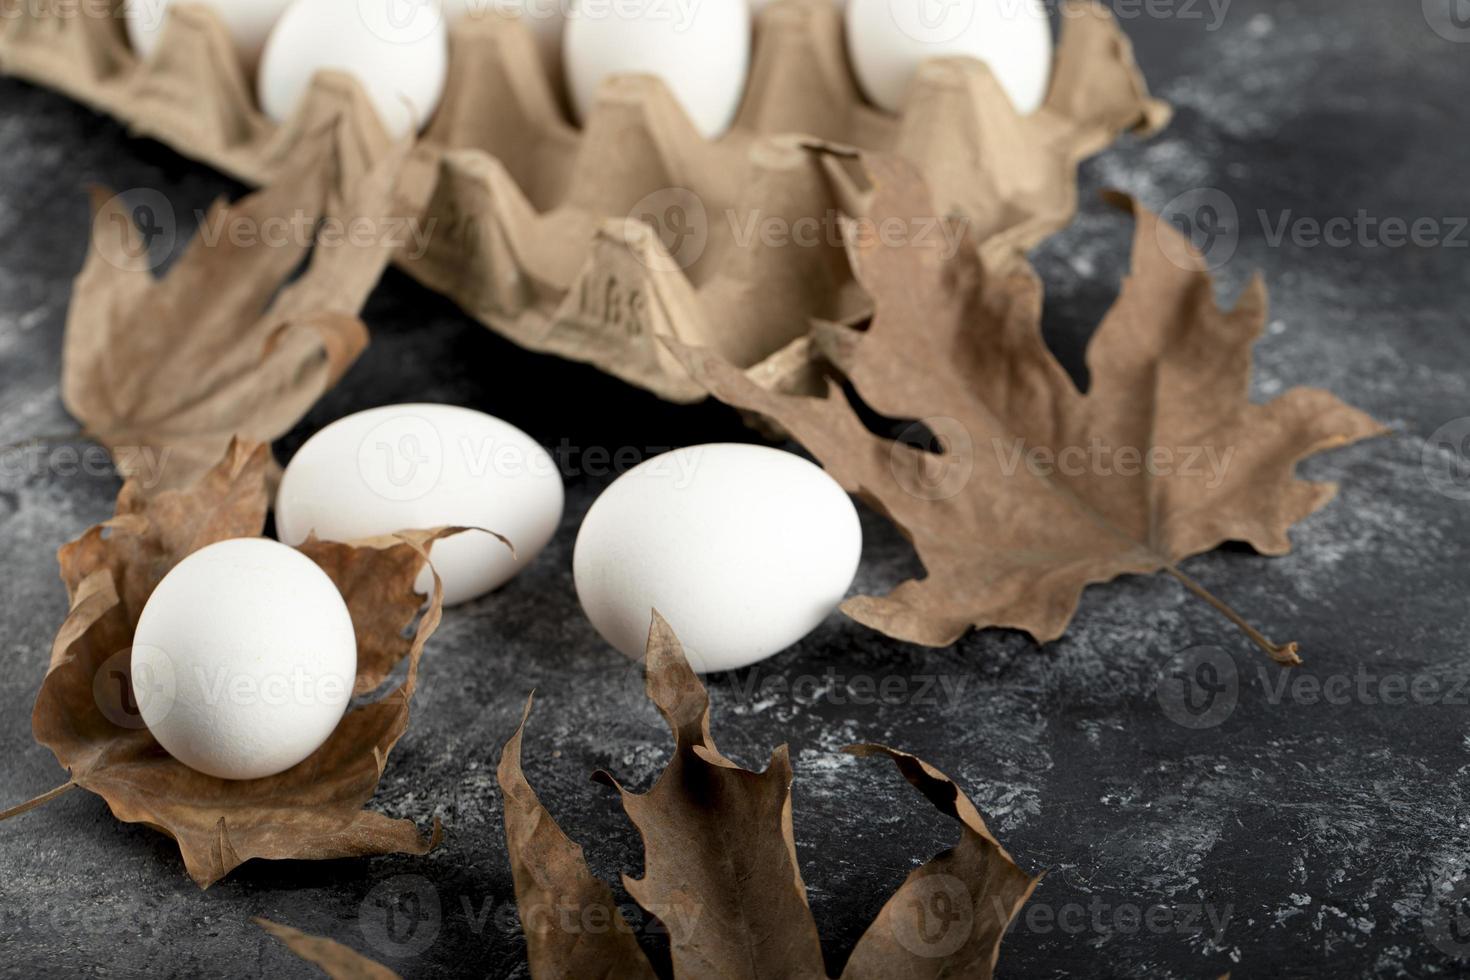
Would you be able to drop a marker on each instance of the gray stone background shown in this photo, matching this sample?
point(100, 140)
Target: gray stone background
point(1292, 836)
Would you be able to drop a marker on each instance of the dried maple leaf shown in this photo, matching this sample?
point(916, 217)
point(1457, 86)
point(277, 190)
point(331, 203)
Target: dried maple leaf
point(85, 715)
point(551, 878)
point(721, 873)
point(164, 372)
point(1042, 490)
point(334, 959)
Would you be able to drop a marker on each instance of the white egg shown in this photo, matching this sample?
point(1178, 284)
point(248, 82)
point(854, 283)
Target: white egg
point(546, 18)
point(700, 50)
point(406, 467)
point(887, 40)
point(398, 50)
point(248, 21)
point(244, 659)
point(743, 549)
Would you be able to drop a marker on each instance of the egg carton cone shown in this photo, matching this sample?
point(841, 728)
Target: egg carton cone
point(593, 242)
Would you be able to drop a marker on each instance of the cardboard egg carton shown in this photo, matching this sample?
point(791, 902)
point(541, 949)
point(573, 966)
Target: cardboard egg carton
point(591, 243)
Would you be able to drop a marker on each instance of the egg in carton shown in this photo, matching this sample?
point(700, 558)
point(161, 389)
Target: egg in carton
point(594, 243)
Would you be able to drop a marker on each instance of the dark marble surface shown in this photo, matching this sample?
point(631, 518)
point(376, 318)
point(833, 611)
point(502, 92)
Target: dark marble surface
point(1295, 836)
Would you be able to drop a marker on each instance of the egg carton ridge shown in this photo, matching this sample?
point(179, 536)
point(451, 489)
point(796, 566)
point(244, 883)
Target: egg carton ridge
point(590, 243)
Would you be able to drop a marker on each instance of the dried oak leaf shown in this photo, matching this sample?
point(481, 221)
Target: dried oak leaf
point(1012, 520)
point(721, 872)
point(334, 959)
point(164, 372)
point(85, 715)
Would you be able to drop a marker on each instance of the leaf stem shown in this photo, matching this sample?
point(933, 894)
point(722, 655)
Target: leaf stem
point(1284, 654)
point(41, 800)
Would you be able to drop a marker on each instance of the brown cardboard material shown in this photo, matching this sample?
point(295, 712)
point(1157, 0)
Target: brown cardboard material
point(535, 226)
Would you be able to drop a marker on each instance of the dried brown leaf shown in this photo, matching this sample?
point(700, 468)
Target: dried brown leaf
point(84, 715)
point(958, 345)
point(950, 915)
point(164, 372)
point(554, 885)
point(721, 872)
point(147, 536)
point(334, 959)
point(382, 642)
point(719, 854)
